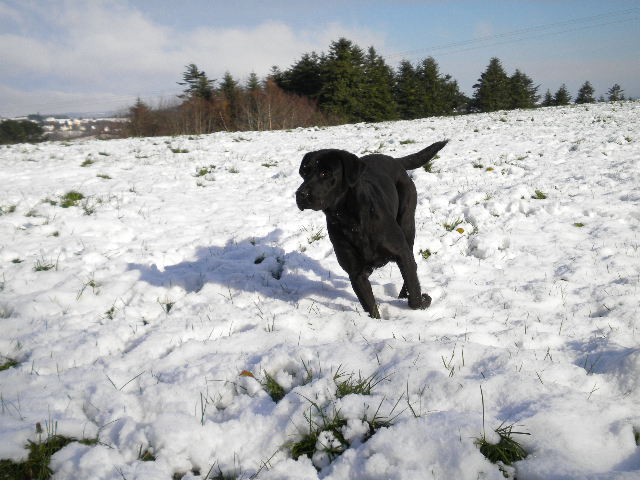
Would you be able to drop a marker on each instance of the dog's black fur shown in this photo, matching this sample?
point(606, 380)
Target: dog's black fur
point(370, 204)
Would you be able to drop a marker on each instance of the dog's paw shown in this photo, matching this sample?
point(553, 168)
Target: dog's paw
point(426, 301)
point(423, 303)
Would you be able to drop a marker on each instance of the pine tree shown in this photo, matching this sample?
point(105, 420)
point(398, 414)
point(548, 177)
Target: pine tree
point(562, 96)
point(522, 92)
point(408, 91)
point(230, 92)
point(253, 83)
point(585, 94)
point(304, 77)
point(141, 120)
point(197, 84)
point(492, 90)
point(377, 103)
point(548, 99)
point(431, 88)
point(615, 93)
point(343, 79)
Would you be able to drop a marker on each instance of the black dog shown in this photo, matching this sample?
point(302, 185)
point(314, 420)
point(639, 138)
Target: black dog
point(370, 204)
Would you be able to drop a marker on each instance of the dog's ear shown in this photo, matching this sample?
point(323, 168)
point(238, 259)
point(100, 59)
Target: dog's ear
point(304, 165)
point(352, 168)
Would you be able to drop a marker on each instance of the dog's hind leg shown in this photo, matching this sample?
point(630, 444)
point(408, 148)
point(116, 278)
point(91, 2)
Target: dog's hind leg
point(407, 198)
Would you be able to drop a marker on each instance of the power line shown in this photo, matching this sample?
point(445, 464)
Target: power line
point(516, 35)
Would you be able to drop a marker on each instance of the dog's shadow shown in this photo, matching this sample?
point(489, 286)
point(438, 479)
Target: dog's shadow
point(255, 265)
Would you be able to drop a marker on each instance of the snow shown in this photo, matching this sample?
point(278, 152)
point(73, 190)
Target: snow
point(175, 284)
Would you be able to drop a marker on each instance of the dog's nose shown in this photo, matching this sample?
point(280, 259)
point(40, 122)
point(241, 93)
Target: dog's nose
point(302, 198)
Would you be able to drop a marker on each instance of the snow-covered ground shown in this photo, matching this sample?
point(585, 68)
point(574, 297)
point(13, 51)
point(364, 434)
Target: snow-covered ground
point(187, 276)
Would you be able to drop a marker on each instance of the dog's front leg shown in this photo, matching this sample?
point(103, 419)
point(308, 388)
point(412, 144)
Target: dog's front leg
point(362, 287)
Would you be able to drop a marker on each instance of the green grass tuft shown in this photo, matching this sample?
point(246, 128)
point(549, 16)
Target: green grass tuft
point(450, 227)
point(146, 455)
point(273, 388)
point(539, 195)
point(507, 450)
point(43, 265)
point(70, 199)
point(87, 162)
point(348, 384)
point(426, 253)
point(36, 466)
point(7, 364)
point(578, 224)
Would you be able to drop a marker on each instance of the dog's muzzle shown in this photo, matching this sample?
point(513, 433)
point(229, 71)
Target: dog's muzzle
point(303, 198)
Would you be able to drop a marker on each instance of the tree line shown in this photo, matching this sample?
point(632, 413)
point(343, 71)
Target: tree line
point(345, 84)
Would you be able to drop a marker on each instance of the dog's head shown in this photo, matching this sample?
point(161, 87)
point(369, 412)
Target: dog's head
point(327, 175)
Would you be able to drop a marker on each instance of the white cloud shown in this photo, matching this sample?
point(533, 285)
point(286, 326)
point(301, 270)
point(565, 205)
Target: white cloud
point(107, 45)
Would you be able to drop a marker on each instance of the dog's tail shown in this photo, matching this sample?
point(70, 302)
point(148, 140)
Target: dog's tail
point(416, 160)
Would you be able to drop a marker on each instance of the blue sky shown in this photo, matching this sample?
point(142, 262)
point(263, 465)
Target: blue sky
point(98, 55)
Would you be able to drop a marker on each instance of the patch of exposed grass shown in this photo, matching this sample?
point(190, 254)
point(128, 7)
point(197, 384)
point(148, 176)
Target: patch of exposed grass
point(348, 384)
point(426, 253)
point(36, 466)
point(539, 195)
point(17, 260)
point(507, 450)
point(578, 224)
point(43, 265)
point(407, 142)
point(87, 162)
point(8, 209)
point(451, 226)
point(104, 176)
point(70, 199)
point(315, 234)
point(325, 439)
point(636, 435)
point(146, 455)
point(273, 388)
point(179, 150)
point(7, 363)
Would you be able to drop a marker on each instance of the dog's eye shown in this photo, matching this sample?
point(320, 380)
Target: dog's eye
point(324, 174)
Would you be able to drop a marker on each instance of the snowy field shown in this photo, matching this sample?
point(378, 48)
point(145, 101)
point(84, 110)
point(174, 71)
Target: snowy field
point(152, 314)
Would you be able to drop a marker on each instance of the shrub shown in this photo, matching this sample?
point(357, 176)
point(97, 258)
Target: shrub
point(20, 131)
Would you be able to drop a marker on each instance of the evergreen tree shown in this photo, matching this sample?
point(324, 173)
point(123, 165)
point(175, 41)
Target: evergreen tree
point(548, 99)
point(141, 120)
point(522, 92)
point(377, 101)
point(253, 83)
point(197, 84)
point(408, 91)
point(492, 90)
point(343, 80)
point(431, 88)
point(304, 77)
point(440, 94)
point(615, 93)
point(562, 96)
point(230, 92)
point(585, 94)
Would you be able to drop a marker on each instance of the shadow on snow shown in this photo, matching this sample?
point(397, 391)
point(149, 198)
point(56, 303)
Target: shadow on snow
point(252, 265)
